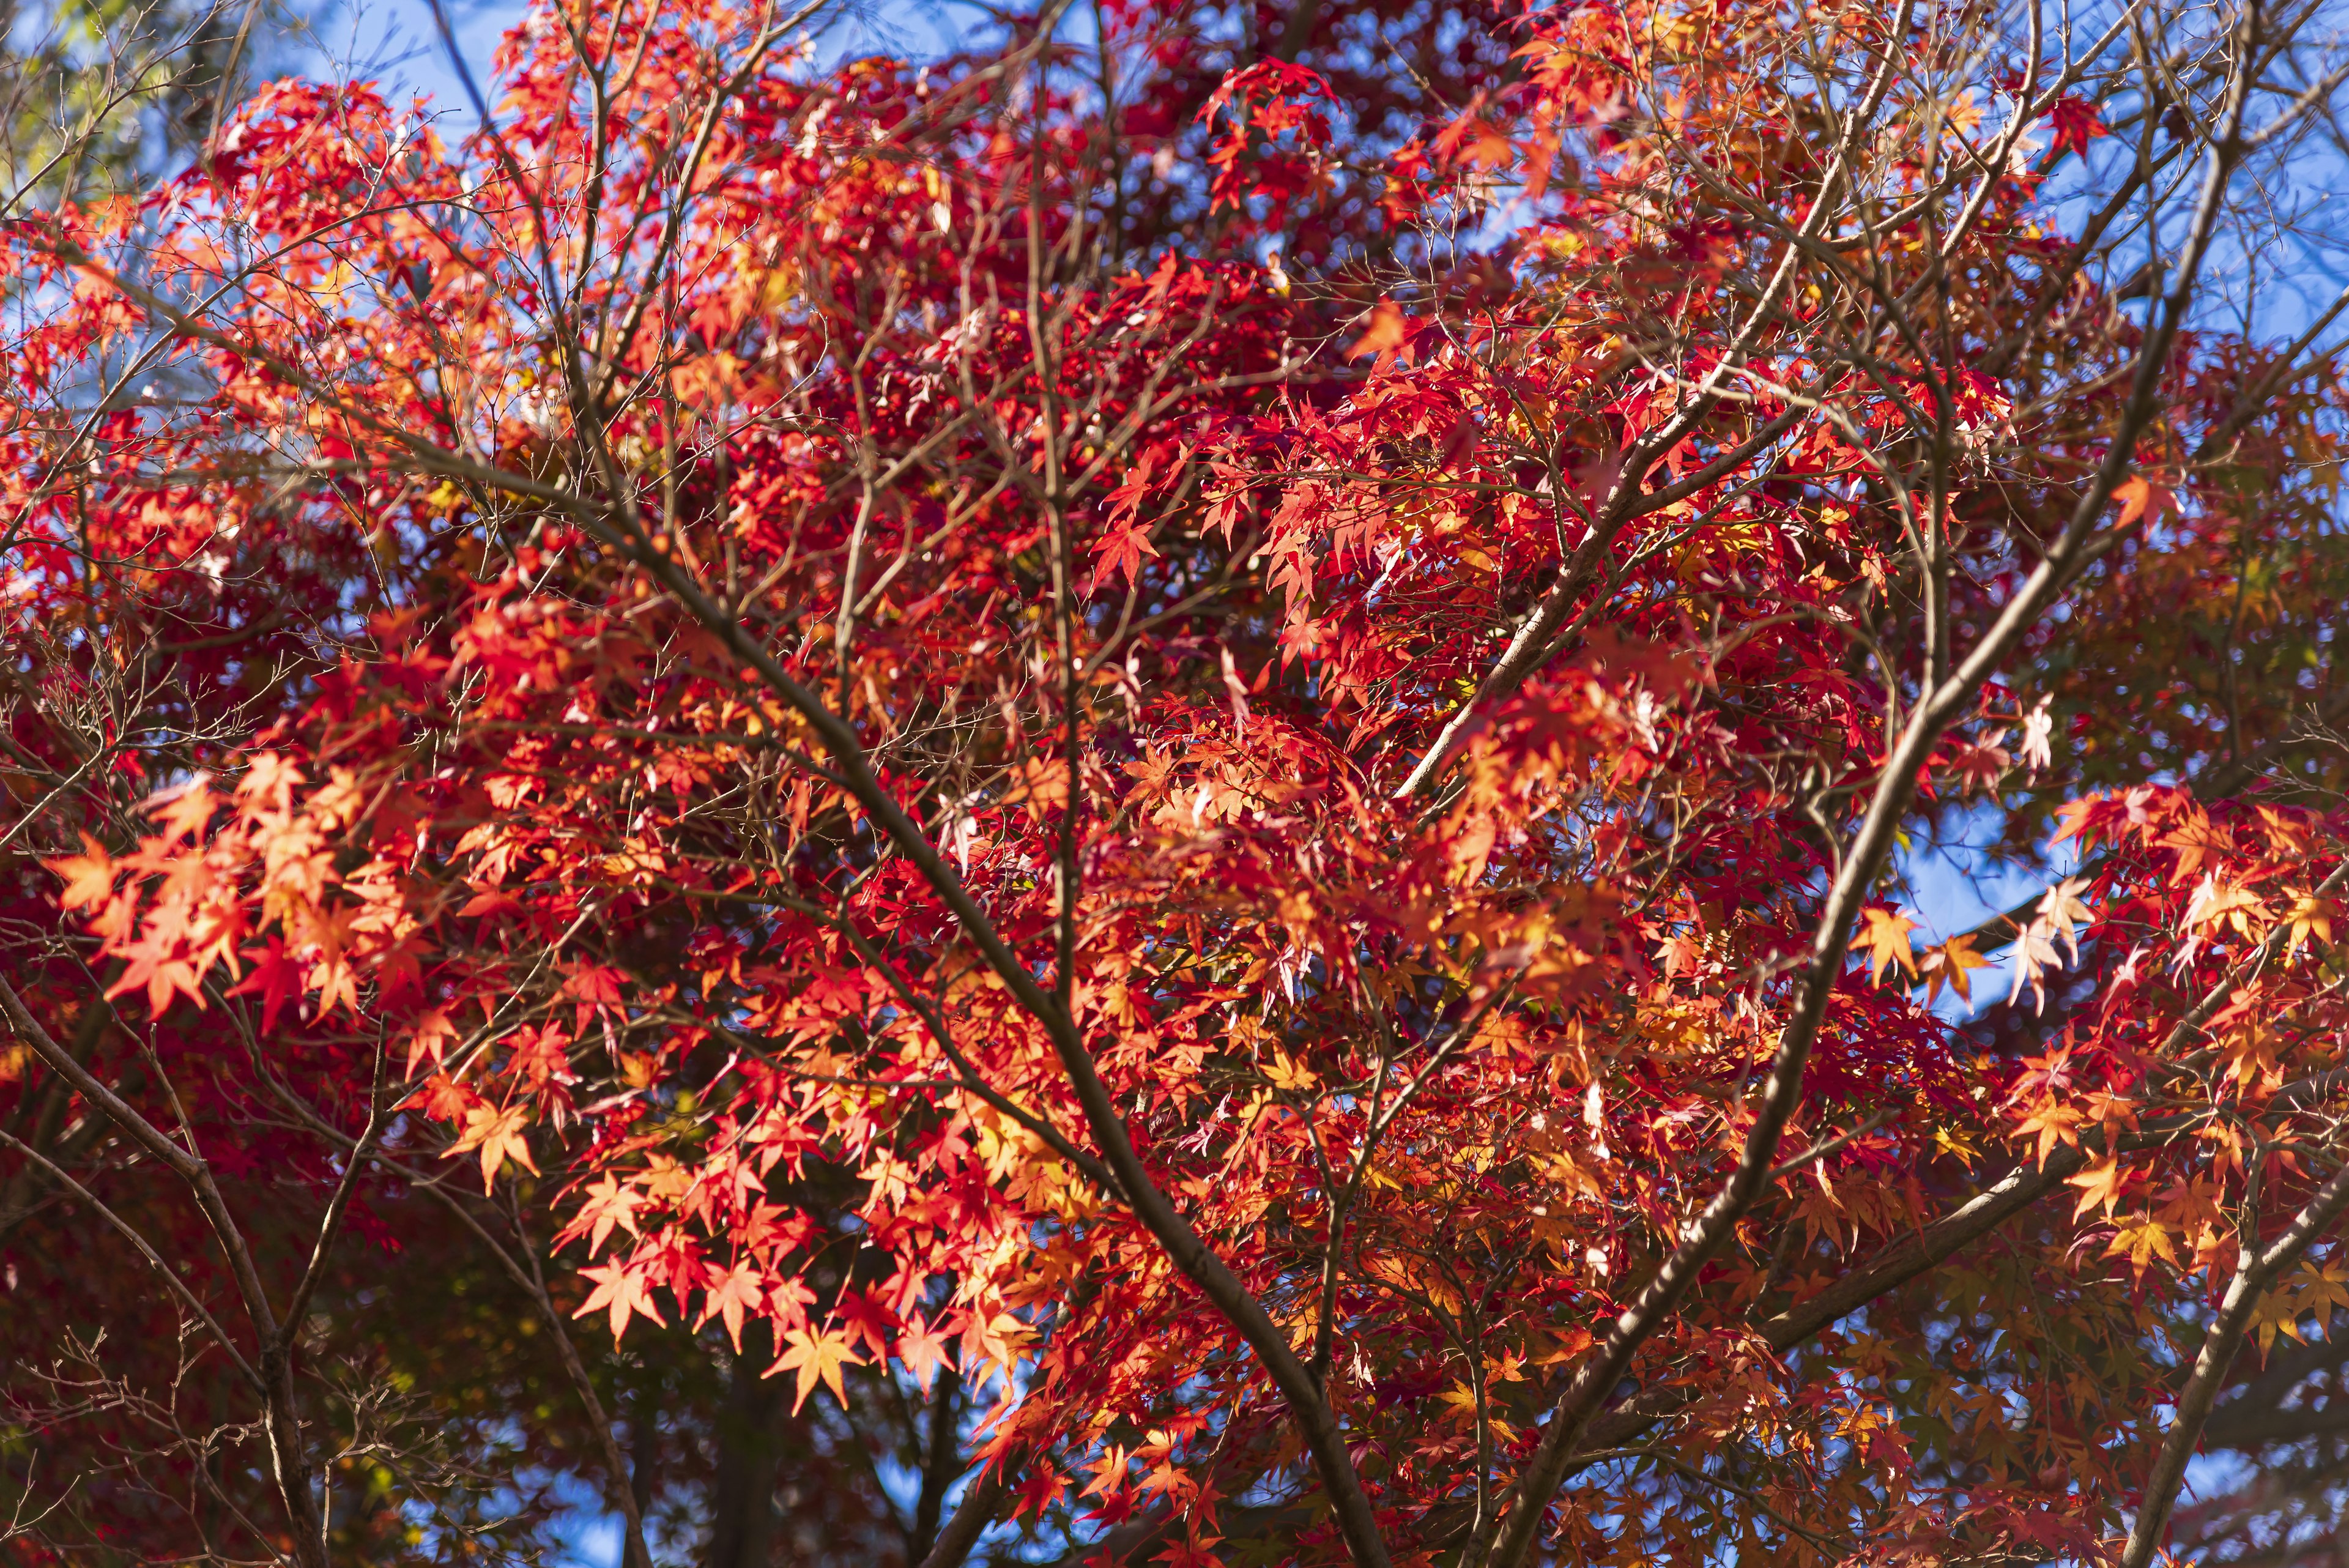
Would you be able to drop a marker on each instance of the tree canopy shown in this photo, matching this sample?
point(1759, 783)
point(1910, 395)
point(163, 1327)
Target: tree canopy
point(1192, 788)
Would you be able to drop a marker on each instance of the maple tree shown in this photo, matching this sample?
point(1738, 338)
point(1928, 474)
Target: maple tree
point(1166, 766)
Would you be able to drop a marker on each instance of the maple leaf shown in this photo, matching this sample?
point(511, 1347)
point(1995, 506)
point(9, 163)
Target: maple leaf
point(2033, 955)
point(995, 1338)
point(2250, 1052)
point(2196, 839)
point(2189, 1203)
point(2143, 500)
point(1286, 1072)
point(1124, 540)
point(1170, 1481)
point(2216, 903)
point(497, 1135)
point(1236, 688)
point(818, 1358)
point(2074, 123)
point(2141, 1241)
point(2277, 1311)
point(428, 1036)
point(2035, 748)
point(620, 1290)
point(2078, 821)
point(1038, 1489)
point(184, 811)
point(608, 1204)
point(160, 962)
point(1119, 551)
point(1886, 943)
point(866, 1319)
point(1957, 1143)
point(2321, 1287)
point(1109, 1472)
point(1978, 768)
point(1949, 964)
point(1195, 1549)
point(2099, 1185)
point(276, 976)
point(1475, 141)
point(2061, 908)
point(90, 876)
point(443, 1098)
point(2055, 1122)
point(738, 1291)
point(923, 1350)
point(267, 788)
point(592, 986)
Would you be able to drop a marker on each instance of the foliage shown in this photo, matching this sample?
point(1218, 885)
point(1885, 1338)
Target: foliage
point(1171, 762)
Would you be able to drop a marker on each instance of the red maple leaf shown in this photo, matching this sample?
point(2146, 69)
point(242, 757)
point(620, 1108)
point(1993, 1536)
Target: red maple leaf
point(2074, 123)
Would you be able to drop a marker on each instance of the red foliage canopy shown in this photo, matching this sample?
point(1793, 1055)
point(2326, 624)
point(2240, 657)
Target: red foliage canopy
point(1215, 727)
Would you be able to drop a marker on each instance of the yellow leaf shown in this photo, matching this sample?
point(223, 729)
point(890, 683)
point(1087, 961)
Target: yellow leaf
point(2308, 917)
point(2278, 1313)
point(2140, 1241)
point(818, 1358)
point(1885, 942)
point(2322, 1290)
point(1287, 1073)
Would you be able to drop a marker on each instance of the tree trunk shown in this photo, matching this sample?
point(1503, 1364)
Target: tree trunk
point(742, 1523)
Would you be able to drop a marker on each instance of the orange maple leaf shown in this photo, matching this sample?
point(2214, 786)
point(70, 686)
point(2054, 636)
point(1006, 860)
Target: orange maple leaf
point(1949, 965)
point(90, 876)
point(2099, 1185)
point(2054, 1122)
point(923, 1349)
point(2141, 1241)
point(2196, 839)
point(738, 1291)
point(623, 1292)
point(1885, 942)
point(608, 1204)
point(267, 788)
point(817, 1358)
point(496, 1134)
point(2308, 915)
point(429, 1036)
point(163, 965)
point(2144, 499)
point(184, 812)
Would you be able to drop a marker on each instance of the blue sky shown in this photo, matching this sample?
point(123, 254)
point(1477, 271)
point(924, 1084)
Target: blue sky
point(395, 42)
